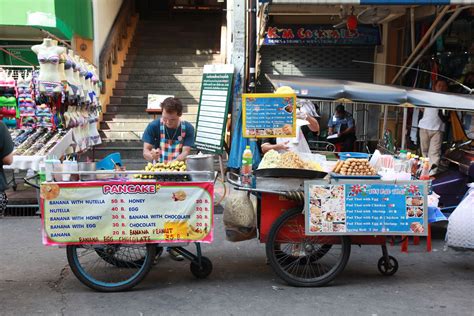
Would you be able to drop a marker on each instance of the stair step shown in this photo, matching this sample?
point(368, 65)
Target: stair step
point(190, 52)
point(143, 94)
point(122, 135)
point(150, 56)
point(158, 77)
point(120, 117)
point(174, 86)
point(209, 43)
point(170, 67)
point(139, 108)
point(125, 144)
point(124, 126)
point(167, 88)
point(176, 72)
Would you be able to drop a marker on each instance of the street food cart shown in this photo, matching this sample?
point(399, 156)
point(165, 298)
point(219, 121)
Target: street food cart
point(114, 227)
point(309, 219)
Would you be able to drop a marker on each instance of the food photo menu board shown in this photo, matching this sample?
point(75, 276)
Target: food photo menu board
point(367, 208)
point(126, 212)
point(269, 115)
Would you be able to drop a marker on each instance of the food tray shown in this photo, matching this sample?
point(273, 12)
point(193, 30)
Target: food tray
point(290, 173)
point(340, 176)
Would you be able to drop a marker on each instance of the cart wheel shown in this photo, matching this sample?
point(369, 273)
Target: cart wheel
point(202, 271)
point(388, 269)
point(108, 269)
point(302, 260)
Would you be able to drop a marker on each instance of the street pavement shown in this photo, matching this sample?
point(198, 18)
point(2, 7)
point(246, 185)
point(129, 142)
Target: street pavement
point(36, 280)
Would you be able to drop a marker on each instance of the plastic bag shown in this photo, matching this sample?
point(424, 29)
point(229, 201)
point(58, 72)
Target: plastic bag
point(460, 233)
point(239, 217)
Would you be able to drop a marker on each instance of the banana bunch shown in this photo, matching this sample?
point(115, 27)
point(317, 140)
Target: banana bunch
point(162, 167)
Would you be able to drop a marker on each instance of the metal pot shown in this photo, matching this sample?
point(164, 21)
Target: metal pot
point(87, 166)
point(201, 163)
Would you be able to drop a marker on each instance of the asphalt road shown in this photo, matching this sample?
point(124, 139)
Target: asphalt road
point(36, 280)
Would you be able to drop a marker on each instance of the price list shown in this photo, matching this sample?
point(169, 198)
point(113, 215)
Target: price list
point(127, 213)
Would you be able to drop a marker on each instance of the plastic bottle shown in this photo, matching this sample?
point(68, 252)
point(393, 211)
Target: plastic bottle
point(402, 155)
point(425, 170)
point(246, 169)
point(414, 166)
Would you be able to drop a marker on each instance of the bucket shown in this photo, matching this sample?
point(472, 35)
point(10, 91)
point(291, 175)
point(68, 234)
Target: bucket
point(87, 166)
point(201, 163)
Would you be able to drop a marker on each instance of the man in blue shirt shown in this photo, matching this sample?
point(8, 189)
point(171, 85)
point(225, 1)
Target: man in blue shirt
point(168, 139)
point(342, 125)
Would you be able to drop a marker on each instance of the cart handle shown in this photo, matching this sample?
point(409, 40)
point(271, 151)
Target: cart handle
point(230, 178)
point(27, 181)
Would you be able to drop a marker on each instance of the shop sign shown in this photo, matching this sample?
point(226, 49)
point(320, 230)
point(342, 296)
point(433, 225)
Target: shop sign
point(320, 35)
point(269, 115)
point(214, 103)
point(366, 208)
point(126, 212)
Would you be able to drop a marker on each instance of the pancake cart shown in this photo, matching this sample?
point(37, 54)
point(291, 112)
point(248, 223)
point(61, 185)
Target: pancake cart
point(309, 223)
point(115, 228)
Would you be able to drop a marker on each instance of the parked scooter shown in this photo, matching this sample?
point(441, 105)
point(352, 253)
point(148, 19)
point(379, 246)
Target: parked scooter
point(457, 170)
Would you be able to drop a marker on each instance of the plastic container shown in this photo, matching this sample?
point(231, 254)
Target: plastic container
point(67, 167)
point(347, 155)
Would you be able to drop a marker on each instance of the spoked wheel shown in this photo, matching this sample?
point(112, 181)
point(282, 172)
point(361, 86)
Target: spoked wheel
point(111, 268)
point(302, 260)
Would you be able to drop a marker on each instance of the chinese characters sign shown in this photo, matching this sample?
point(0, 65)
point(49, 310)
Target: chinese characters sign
point(269, 115)
point(126, 212)
point(366, 209)
point(320, 35)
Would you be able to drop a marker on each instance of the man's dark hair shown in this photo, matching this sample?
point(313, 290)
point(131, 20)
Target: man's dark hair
point(340, 108)
point(172, 105)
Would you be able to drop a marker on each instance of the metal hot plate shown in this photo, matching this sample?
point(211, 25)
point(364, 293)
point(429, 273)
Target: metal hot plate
point(289, 173)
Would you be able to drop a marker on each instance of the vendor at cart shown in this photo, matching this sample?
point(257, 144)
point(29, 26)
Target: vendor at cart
point(169, 139)
point(306, 115)
point(341, 129)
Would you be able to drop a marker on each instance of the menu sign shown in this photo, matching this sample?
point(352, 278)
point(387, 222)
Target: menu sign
point(213, 107)
point(366, 209)
point(269, 115)
point(126, 212)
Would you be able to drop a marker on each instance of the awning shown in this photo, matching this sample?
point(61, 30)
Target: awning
point(330, 89)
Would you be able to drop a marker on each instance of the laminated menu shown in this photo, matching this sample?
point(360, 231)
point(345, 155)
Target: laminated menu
point(369, 208)
point(126, 212)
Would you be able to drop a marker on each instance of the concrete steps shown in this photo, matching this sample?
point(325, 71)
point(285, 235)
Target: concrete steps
point(166, 56)
point(176, 72)
point(187, 83)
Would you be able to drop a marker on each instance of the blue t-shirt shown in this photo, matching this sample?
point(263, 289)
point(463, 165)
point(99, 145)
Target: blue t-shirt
point(347, 122)
point(151, 135)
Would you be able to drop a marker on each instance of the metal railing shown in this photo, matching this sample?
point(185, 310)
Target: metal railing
point(114, 41)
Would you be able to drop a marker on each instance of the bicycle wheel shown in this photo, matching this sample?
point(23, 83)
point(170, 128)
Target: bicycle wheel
point(111, 268)
point(302, 260)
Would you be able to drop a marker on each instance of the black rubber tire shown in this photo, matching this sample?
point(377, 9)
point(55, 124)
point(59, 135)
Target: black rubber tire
point(89, 281)
point(273, 252)
point(393, 266)
point(202, 271)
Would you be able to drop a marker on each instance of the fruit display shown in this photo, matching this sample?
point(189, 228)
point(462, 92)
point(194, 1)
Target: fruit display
point(354, 167)
point(291, 160)
point(174, 166)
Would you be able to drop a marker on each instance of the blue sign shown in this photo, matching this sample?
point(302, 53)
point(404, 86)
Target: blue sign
point(320, 35)
point(366, 209)
point(269, 115)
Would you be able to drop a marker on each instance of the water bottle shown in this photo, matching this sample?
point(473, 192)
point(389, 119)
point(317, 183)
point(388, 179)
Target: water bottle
point(246, 169)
